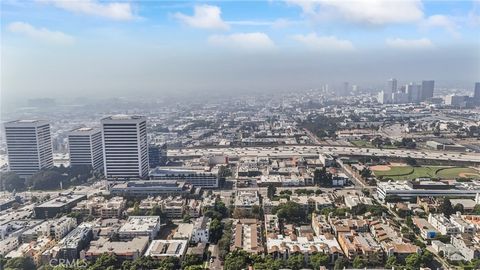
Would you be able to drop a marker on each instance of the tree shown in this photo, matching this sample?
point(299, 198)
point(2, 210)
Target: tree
point(169, 263)
point(413, 261)
point(340, 263)
point(194, 267)
point(155, 211)
point(377, 142)
point(290, 211)
point(358, 262)
point(186, 218)
point(391, 262)
point(411, 161)
point(105, 261)
point(20, 263)
point(136, 209)
point(224, 242)
point(191, 260)
point(271, 189)
point(47, 179)
point(267, 263)
point(319, 259)
point(365, 172)
point(359, 209)
point(446, 207)
point(224, 172)
point(216, 229)
point(296, 261)
point(236, 260)
point(476, 209)
point(426, 257)
point(409, 222)
point(322, 178)
point(10, 181)
point(458, 208)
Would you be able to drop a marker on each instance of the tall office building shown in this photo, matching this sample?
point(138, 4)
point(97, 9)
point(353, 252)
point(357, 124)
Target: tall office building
point(427, 89)
point(414, 92)
point(391, 88)
point(125, 147)
point(392, 85)
point(85, 147)
point(476, 93)
point(29, 146)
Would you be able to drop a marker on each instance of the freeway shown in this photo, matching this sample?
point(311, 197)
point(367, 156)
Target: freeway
point(313, 151)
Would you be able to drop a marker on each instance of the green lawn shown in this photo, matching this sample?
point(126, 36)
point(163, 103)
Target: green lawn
point(408, 172)
point(362, 143)
point(455, 172)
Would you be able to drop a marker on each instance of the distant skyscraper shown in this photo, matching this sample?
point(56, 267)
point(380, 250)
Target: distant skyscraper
point(476, 93)
point(389, 90)
point(427, 89)
point(414, 92)
point(85, 147)
point(400, 97)
point(456, 100)
point(125, 147)
point(345, 89)
point(392, 85)
point(29, 146)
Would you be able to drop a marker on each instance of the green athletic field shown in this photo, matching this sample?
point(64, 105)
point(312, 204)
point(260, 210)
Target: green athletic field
point(442, 172)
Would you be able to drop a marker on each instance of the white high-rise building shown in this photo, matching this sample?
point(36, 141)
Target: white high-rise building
point(125, 148)
point(391, 88)
point(385, 96)
point(85, 147)
point(29, 146)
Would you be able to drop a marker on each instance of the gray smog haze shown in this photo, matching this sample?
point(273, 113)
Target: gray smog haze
point(100, 49)
point(109, 73)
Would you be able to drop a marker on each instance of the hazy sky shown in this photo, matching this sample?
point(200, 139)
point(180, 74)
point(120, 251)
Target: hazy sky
point(71, 48)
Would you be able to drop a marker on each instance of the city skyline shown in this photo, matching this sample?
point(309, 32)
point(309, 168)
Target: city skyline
point(151, 48)
point(232, 135)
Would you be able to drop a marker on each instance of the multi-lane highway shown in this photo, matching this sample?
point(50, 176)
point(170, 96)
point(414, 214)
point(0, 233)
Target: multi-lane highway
point(312, 151)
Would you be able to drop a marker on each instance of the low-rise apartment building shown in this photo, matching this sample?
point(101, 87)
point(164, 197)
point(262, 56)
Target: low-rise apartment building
point(123, 250)
point(356, 244)
point(348, 225)
point(160, 249)
point(246, 199)
point(281, 247)
point(427, 231)
point(442, 224)
point(247, 235)
point(468, 245)
point(201, 232)
point(314, 202)
point(140, 226)
point(100, 207)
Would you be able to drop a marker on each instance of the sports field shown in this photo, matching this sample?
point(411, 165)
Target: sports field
point(409, 172)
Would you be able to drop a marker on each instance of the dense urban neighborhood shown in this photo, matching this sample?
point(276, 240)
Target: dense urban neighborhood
point(305, 180)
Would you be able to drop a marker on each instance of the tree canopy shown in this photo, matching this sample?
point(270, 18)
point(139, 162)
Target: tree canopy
point(291, 212)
